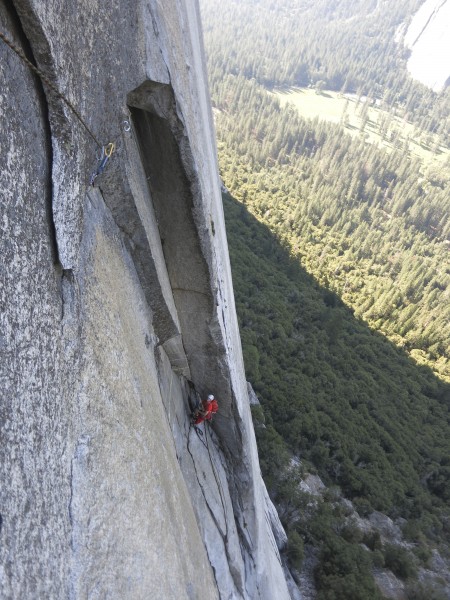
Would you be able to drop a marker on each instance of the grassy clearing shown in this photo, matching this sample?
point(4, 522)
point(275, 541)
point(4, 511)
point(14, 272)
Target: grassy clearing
point(380, 127)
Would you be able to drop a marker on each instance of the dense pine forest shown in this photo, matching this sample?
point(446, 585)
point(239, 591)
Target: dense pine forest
point(349, 403)
point(370, 225)
point(340, 257)
point(347, 45)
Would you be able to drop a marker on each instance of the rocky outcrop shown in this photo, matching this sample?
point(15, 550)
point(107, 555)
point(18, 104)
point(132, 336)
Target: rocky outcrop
point(390, 585)
point(114, 297)
point(429, 41)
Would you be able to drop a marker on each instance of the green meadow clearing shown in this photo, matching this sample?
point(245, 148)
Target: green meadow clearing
point(377, 125)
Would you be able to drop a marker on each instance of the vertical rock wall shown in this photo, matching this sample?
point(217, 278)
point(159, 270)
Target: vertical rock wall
point(112, 297)
point(429, 41)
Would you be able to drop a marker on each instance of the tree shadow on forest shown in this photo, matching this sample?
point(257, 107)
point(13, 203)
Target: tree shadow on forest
point(363, 382)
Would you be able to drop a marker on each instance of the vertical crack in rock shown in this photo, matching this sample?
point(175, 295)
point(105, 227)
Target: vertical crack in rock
point(244, 535)
point(272, 537)
point(48, 150)
point(219, 529)
point(78, 469)
point(67, 280)
point(70, 507)
point(224, 535)
point(433, 14)
point(235, 575)
point(218, 482)
point(71, 321)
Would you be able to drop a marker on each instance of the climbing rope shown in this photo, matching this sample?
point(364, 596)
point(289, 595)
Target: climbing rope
point(106, 150)
point(45, 80)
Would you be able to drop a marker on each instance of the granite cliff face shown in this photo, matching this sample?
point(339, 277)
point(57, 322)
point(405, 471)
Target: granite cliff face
point(113, 297)
point(429, 40)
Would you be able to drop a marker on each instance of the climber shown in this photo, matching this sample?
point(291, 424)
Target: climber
point(205, 413)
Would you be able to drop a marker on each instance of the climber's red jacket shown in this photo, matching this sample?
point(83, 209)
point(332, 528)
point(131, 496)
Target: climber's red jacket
point(210, 407)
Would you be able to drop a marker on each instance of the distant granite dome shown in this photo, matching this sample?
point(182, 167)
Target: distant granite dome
point(428, 37)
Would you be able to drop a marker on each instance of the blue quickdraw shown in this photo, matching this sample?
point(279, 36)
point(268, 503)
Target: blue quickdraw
point(107, 152)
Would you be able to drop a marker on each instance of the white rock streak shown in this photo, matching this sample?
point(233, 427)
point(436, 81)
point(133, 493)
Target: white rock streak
point(428, 37)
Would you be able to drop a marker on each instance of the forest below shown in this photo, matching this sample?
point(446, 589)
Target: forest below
point(370, 225)
point(346, 45)
point(354, 407)
point(339, 252)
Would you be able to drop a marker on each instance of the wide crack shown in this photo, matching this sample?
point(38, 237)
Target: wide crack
point(48, 149)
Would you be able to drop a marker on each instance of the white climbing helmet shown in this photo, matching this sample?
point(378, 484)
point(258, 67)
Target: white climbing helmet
point(210, 397)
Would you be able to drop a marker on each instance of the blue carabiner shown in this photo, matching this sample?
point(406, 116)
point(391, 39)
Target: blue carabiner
point(107, 152)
